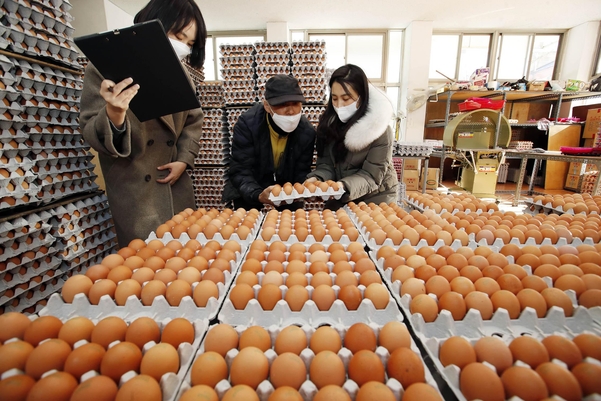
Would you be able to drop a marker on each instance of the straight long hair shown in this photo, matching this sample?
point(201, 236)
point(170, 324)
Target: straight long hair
point(175, 15)
point(330, 128)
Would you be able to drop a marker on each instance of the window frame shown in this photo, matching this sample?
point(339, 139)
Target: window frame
point(441, 79)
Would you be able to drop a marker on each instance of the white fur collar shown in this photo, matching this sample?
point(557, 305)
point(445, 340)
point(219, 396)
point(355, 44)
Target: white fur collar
point(373, 124)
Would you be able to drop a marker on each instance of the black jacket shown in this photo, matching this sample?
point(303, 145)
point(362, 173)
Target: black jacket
point(251, 167)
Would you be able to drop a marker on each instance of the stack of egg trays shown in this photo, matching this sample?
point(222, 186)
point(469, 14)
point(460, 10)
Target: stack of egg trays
point(309, 67)
point(208, 183)
point(29, 257)
point(413, 149)
point(308, 389)
point(215, 141)
point(160, 308)
point(238, 65)
point(271, 58)
point(81, 226)
point(170, 382)
point(211, 95)
point(313, 112)
point(39, 29)
point(472, 328)
point(197, 74)
point(232, 115)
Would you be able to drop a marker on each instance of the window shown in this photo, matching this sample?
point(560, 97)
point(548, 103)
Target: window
point(212, 68)
point(597, 70)
point(458, 55)
point(527, 55)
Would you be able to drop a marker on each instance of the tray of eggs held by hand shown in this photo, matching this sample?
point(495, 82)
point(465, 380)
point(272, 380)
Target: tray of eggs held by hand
point(289, 193)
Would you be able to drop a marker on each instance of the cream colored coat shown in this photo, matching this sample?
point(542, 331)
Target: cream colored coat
point(139, 204)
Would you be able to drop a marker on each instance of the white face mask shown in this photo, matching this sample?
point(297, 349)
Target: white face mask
point(286, 123)
point(346, 112)
point(181, 49)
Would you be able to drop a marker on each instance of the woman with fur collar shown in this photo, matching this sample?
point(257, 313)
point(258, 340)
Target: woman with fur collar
point(354, 140)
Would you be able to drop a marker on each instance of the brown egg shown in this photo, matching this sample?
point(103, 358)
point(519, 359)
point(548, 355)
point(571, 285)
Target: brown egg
point(350, 295)
point(454, 303)
point(141, 387)
point(563, 349)
point(325, 338)
point(525, 383)
point(77, 284)
point(481, 302)
point(98, 387)
point(506, 300)
point(14, 355)
point(208, 369)
point(394, 335)
point(16, 387)
point(556, 297)
point(249, 367)
point(296, 297)
point(109, 329)
point(426, 306)
point(287, 370)
point(560, 381)
point(84, 359)
point(159, 360)
point(589, 345)
point(240, 294)
point(405, 366)
point(47, 356)
point(529, 350)
point(56, 386)
point(152, 290)
point(291, 339)
point(75, 329)
point(588, 375)
point(125, 289)
point(204, 291)
point(332, 393)
point(327, 368)
point(177, 331)
point(360, 337)
point(143, 330)
point(39, 329)
point(494, 351)
point(457, 351)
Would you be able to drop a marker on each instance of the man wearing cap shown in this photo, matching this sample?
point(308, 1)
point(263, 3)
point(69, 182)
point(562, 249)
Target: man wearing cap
point(272, 144)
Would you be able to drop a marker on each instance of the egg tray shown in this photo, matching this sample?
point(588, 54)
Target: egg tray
point(420, 207)
point(34, 294)
point(451, 373)
point(20, 248)
point(20, 228)
point(253, 313)
point(547, 208)
point(284, 198)
point(50, 195)
point(74, 250)
point(308, 389)
point(308, 47)
point(184, 238)
point(170, 382)
point(50, 261)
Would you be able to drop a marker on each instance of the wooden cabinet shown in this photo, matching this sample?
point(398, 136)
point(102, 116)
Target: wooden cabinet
point(527, 107)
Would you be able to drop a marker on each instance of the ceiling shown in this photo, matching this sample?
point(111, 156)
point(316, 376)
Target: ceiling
point(464, 15)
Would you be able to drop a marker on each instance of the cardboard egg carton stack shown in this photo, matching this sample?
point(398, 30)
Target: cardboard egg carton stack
point(42, 146)
point(39, 28)
point(588, 183)
point(211, 95)
point(238, 65)
point(208, 184)
point(232, 115)
point(197, 74)
point(413, 149)
point(309, 67)
point(272, 58)
point(215, 141)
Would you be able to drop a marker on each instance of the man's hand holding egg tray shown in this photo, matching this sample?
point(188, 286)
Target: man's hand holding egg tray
point(289, 193)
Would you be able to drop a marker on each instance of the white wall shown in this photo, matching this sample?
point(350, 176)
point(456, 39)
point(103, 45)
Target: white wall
point(277, 32)
point(580, 49)
point(89, 15)
point(115, 17)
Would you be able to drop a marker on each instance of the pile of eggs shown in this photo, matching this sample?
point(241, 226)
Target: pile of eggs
point(308, 272)
point(148, 271)
point(486, 281)
point(301, 224)
point(319, 361)
point(78, 346)
point(382, 222)
point(312, 187)
point(463, 202)
point(536, 377)
point(579, 203)
point(209, 223)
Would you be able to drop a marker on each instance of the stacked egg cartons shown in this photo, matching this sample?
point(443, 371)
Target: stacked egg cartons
point(309, 67)
point(211, 95)
point(233, 114)
point(39, 29)
point(238, 72)
point(209, 175)
point(588, 183)
point(272, 58)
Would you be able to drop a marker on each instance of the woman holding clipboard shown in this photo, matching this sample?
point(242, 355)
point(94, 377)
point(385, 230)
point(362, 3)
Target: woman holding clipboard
point(144, 163)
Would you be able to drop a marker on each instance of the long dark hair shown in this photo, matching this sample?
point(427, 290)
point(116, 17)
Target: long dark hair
point(175, 15)
point(330, 129)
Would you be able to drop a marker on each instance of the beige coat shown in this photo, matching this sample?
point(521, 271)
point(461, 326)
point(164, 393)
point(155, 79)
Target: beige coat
point(139, 204)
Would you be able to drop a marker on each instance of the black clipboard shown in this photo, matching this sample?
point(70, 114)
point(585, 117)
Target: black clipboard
point(144, 53)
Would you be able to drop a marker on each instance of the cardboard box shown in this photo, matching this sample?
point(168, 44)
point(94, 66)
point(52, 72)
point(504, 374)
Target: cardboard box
point(537, 85)
point(411, 180)
point(576, 168)
point(593, 123)
point(431, 178)
point(520, 111)
point(412, 164)
point(572, 182)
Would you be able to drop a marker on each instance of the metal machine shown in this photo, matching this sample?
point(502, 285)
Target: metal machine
point(476, 140)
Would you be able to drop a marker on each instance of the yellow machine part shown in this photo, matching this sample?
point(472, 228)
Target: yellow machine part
point(476, 130)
